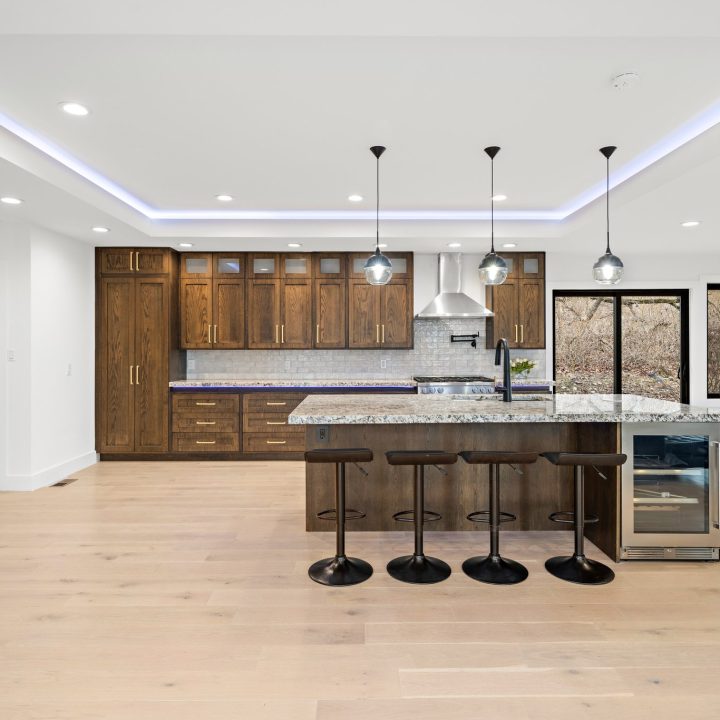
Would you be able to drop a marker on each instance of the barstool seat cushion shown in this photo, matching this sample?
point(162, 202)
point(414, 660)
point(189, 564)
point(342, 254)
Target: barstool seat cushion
point(576, 458)
point(420, 457)
point(339, 455)
point(491, 457)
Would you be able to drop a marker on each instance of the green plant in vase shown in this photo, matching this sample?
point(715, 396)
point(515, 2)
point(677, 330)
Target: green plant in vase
point(520, 368)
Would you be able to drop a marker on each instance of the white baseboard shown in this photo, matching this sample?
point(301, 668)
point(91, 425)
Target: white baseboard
point(50, 475)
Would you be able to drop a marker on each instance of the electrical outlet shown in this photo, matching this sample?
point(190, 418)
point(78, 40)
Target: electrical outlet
point(383, 363)
point(322, 433)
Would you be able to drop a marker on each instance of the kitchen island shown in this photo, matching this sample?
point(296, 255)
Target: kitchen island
point(581, 423)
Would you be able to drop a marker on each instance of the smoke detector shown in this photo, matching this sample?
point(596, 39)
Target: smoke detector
point(624, 80)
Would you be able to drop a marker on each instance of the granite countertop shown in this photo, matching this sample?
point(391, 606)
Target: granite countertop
point(295, 383)
point(425, 409)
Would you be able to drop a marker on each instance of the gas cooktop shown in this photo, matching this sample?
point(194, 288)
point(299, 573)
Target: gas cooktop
point(455, 384)
point(453, 379)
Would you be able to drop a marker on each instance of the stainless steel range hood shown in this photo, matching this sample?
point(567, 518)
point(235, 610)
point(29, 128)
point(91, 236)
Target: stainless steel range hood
point(451, 301)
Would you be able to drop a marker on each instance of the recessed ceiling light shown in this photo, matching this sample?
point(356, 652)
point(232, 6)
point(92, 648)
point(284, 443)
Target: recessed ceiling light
point(509, 245)
point(499, 198)
point(101, 229)
point(690, 223)
point(454, 245)
point(8, 200)
point(73, 108)
point(295, 245)
point(224, 198)
point(355, 198)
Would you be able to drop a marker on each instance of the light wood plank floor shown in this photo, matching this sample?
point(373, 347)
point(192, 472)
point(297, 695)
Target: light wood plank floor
point(179, 591)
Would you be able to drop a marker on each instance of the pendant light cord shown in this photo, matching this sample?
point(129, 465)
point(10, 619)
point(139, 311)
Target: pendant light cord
point(492, 205)
point(607, 202)
point(377, 204)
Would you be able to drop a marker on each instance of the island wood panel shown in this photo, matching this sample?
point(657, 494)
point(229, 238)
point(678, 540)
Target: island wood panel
point(330, 313)
point(531, 313)
point(296, 324)
point(196, 299)
point(263, 311)
point(228, 314)
point(116, 355)
point(396, 315)
point(602, 496)
point(541, 489)
point(152, 318)
point(364, 314)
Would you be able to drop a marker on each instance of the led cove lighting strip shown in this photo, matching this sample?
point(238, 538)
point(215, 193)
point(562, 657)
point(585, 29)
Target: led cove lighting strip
point(679, 137)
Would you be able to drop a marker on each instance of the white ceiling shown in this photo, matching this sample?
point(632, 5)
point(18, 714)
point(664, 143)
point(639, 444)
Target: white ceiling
point(277, 102)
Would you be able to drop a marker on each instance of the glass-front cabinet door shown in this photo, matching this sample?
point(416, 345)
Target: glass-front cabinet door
point(670, 492)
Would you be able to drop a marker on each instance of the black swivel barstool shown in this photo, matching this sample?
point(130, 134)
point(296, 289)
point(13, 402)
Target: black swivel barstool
point(341, 569)
point(494, 568)
point(577, 568)
point(418, 567)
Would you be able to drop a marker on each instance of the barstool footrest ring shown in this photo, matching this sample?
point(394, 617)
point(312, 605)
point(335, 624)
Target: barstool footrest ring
point(331, 514)
point(483, 516)
point(567, 517)
point(409, 516)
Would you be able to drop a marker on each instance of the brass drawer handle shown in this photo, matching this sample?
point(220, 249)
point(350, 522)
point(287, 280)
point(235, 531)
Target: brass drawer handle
point(205, 422)
point(205, 442)
point(272, 422)
point(276, 442)
point(276, 403)
point(205, 403)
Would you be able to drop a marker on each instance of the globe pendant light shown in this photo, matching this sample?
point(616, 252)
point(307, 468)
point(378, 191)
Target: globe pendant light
point(608, 270)
point(493, 269)
point(378, 269)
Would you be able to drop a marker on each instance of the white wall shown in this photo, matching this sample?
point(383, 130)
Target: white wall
point(48, 319)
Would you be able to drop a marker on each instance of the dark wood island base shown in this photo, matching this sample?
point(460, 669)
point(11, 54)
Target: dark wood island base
point(541, 489)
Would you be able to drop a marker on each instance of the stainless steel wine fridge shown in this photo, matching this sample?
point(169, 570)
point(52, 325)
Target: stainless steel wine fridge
point(670, 496)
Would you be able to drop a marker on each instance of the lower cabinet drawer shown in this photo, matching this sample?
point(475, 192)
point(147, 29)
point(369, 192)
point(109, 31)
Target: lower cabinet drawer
point(269, 422)
point(274, 442)
point(205, 424)
point(272, 402)
point(205, 403)
point(206, 442)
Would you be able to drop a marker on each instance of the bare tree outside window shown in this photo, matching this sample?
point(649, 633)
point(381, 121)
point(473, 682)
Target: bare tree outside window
point(713, 341)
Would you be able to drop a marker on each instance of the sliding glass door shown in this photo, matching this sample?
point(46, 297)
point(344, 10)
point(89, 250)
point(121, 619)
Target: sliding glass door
point(617, 341)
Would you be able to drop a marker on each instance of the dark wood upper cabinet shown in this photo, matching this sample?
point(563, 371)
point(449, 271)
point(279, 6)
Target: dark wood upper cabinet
point(402, 265)
point(196, 313)
point(134, 261)
point(230, 266)
point(296, 266)
point(296, 314)
point(363, 314)
point(228, 313)
point(519, 303)
point(196, 265)
point(263, 265)
point(396, 328)
point(330, 266)
point(330, 302)
point(263, 314)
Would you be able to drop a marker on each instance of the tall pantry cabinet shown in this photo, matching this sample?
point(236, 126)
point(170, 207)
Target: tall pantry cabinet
point(136, 350)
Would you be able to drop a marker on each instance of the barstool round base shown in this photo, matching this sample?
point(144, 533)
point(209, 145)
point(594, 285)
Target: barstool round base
point(340, 570)
point(579, 569)
point(495, 569)
point(418, 569)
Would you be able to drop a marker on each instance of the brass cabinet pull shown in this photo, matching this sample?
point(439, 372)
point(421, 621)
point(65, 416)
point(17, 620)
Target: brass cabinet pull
point(276, 442)
point(215, 333)
point(209, 335)
point(276, 334)
point(275, 403)
point(274, 422)
point(131, 261)
point(516, 333)
point(282, 334)
point(137, 261)
point(383, 333)
point(317, 333)
point(522, 333)
point(197, 402)
point(377, 333)
point(205, 422)
point(137, 374)
point(205, 442)
point(131, 375)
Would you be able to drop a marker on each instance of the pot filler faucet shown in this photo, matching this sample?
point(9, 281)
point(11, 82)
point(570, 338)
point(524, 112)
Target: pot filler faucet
point(502, 345)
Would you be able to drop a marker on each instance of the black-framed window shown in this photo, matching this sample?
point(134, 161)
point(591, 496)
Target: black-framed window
point(622, 341)
point(713, 341)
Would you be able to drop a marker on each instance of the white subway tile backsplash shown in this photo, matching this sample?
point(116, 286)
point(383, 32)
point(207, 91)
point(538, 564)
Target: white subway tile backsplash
point(433, 354)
